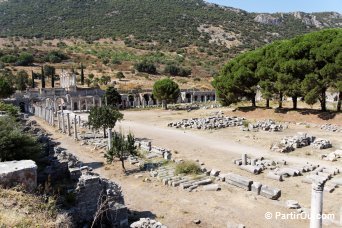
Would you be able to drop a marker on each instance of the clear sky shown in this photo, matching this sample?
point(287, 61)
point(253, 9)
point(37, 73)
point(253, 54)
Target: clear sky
point(271, 6)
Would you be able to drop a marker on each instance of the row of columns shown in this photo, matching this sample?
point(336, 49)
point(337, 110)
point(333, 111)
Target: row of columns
point(63, 119)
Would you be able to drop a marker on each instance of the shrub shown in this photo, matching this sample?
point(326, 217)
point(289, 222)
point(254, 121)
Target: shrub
point(25, 59)
point(177, 71)
point(14, 144)
point(8, 59)
point(187, 167)
point(146, 67)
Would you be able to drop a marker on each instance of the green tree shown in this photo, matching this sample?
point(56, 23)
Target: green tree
point(21, 80)
point(112, 96)
point(49, 71)
point(122, 147)
point(25, 59)
point(146, 66)
point(42, 77)
point(15, 144)
point(82, 74)
point(6, 89)
point(9, 109)
point(166, 90)
point(104, 117)
point(120, 75)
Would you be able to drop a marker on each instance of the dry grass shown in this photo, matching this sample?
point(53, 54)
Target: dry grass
point(19, 209)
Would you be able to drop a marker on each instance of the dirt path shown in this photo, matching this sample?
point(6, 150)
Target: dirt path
point(177, 208)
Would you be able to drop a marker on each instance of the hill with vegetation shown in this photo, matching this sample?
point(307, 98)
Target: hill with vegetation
point(137, 42)
point(153, 25)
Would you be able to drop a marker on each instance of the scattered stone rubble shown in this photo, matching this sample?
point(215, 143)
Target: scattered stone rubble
point(331, 127)
point(166, 175)
point(147, 223)
point(333, 156)
point(321, 144)
point(325, 174)
point(153, 151)
point(265, 125)
point(210, 123)
point(289, 144)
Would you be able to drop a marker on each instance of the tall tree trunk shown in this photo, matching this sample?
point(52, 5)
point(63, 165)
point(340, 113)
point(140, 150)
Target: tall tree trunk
point(253, 102)
point(323, 101)
point(267, 103)
point(32, 79)
point(164, 104)
point(339, 102)
point(294, 101)
point(280, 100)
point(104, 132)
point(123, 164)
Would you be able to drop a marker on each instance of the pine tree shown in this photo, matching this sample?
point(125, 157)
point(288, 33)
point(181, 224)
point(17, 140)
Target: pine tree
point(82, 75)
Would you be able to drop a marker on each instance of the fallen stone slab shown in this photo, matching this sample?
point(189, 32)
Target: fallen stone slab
point(214, 172)
point(256, 186)
point(251, 168)
point(212, 187)
point(292, 204)
point(337, 181)
point(239, 181)
point(270, 192)
point(22, 172)
point(274, 176)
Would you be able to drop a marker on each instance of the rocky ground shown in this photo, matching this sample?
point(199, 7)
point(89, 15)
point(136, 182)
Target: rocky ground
point(216, 149)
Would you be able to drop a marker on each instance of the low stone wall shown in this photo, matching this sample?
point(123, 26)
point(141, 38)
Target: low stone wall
point(14, 173)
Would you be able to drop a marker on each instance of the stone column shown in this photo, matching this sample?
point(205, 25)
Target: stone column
point(100, 102)
point(86, 104)
point(244, 159)
point(52, 118)
point(63, 123)
point(317, 203)
point(75, 128)
point(191, 98)
point(93, 101)
point(79, 105)
point(72, 105)
point(59, 120)
point(109, 138)
point(79, 121)
point(68, 124)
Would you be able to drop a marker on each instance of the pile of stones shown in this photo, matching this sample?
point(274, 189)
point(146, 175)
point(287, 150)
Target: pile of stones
point(265, 125)
point(331, 127)
point(166, 175)
point(333, 156)
point(153, 151)
point(321, 144)
point(257, 165)
point(289, 144)
point(147, 223)
point(325, 174)
point(210, 123)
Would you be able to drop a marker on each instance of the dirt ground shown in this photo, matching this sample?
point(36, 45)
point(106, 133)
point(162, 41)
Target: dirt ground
point(217, 149)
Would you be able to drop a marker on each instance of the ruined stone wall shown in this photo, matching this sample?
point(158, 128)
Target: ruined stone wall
point(13, 173)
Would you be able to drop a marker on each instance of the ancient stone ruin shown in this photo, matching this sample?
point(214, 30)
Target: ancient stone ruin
point(290, 143)
point(331, 127)
point(265, 125)
point(13, 173)
point(210, 123)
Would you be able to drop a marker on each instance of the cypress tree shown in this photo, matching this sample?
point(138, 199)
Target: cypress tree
point(53, 78)
point(82, 75)
point(32, 75)
point(43, 78)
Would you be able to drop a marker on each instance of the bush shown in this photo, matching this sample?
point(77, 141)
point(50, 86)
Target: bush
point(25, 59)
point(55, 57)
point(8, 59)
point(9, 109)
point(176, 71)
point(146, 67)
point(14, 144)
point(187, 167)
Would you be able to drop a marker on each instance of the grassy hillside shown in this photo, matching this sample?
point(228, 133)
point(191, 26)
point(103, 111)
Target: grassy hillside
point(148, 24)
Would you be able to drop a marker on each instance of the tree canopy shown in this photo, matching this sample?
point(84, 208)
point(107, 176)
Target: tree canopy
point(105, 117)
point(166, 90)
point(305, 66)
